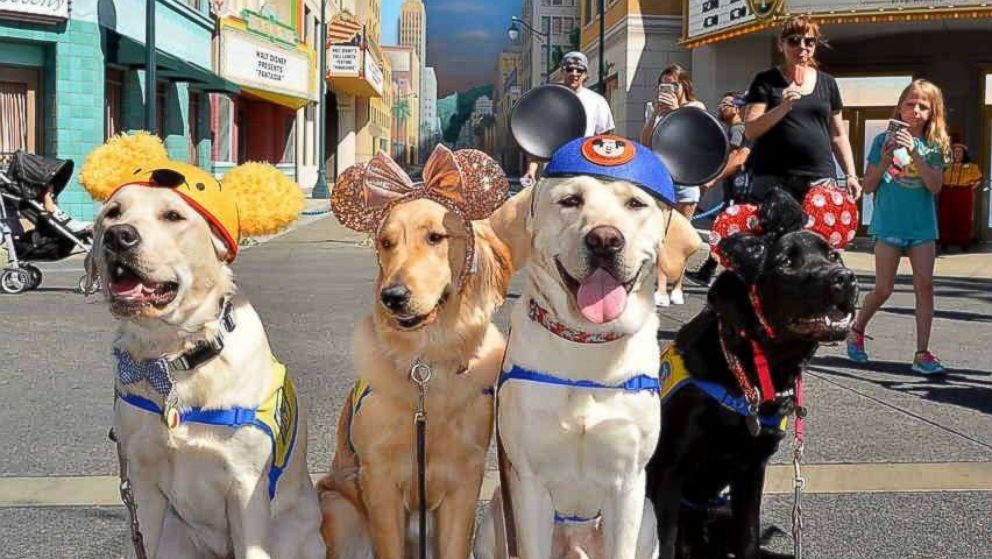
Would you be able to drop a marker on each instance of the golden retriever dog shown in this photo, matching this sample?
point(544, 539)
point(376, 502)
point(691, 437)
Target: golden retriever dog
point(575, 456)
point(428, 310)
point(202, 489)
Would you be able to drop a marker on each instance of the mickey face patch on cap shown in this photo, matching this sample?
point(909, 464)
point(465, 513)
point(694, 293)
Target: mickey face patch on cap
point(608, 151)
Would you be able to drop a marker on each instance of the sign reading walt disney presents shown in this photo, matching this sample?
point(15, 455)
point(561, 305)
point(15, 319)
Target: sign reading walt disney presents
point(35, 10)
point(252, 61)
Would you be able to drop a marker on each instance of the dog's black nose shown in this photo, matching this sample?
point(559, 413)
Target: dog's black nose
point(605, 240)
point(842, 282)
point(395, 297)
point(121, 238)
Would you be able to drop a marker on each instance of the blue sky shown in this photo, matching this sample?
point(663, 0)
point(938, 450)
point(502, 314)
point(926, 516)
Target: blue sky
point(463, 38)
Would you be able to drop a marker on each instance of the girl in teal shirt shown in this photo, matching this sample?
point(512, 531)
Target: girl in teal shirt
point(904, 220)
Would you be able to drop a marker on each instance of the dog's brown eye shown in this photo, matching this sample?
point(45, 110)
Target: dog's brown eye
point(635, 204)
point(113, 213)
point(173, 215)
point(834, 256)
point(572, 201)
point(386, 244)
point(436, 238)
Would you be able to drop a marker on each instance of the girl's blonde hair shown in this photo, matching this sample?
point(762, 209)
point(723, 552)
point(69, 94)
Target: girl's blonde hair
point(935, 131)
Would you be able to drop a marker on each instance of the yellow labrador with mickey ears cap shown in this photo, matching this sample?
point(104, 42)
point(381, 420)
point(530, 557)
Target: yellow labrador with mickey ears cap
point(576, 456)
point(579, 415)
point(206, 419)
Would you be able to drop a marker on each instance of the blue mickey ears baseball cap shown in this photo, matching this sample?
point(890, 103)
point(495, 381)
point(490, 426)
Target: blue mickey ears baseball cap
point(614, 158)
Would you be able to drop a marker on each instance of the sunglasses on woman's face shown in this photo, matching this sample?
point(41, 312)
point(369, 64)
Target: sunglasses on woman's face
point(796, 40)
point(574, 70)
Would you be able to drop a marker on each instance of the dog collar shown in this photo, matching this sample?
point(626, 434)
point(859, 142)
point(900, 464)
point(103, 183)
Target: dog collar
point(754, 396)
point(158, 372)
point(541, 316)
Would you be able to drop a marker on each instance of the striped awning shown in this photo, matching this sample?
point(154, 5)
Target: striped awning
point(343, 31)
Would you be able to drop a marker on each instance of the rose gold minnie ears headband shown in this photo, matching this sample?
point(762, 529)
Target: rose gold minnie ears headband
point(468, 182)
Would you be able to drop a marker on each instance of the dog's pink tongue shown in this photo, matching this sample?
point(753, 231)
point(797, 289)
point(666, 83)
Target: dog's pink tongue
point(601, 298)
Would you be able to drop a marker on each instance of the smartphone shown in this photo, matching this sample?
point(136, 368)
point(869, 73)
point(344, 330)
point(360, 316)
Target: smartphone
point(669, 87)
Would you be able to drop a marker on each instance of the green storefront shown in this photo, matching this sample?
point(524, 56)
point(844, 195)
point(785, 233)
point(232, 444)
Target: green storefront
point(71, 75)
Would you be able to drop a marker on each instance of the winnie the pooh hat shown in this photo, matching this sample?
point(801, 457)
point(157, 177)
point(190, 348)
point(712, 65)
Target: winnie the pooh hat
point(252, 199)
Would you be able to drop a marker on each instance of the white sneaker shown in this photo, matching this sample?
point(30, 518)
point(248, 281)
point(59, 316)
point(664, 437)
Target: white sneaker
point(678, 298)
point(661, 299)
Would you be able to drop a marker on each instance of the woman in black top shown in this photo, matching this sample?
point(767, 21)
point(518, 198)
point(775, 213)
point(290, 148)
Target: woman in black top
point(793, 116)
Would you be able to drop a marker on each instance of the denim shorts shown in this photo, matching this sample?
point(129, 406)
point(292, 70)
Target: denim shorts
point(902, 243)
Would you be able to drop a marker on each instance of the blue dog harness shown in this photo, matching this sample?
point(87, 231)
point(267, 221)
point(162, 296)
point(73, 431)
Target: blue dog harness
point(362, 390)
point(277, 416)
point(637, 383)
point(674, 376)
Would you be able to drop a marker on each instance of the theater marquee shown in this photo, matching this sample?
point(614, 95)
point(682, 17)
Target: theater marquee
point(710, 21)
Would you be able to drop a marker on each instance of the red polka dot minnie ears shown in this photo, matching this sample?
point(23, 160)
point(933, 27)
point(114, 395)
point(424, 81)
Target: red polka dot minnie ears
point(830, 213)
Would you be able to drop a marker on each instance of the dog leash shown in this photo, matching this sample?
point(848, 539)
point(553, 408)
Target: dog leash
point(508, 521)
point(127, 496)
point(420, 374)
point(799, 483)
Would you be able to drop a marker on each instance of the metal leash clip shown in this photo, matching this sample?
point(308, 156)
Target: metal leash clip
point(420, 374)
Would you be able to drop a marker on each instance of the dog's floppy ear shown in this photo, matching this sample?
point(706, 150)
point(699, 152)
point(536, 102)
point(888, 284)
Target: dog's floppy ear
point(681, 240)
point(728, 297)
point(511, 223)
point(780, 213)
point(745, 255)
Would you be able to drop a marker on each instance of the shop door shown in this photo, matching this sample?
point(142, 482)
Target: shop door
point(864, 123)
point(20, 111)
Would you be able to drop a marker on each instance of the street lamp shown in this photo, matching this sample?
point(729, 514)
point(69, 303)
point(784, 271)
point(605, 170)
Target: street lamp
point(320, 187)
point(602, 48)
point(514, 33)
point(151, 91)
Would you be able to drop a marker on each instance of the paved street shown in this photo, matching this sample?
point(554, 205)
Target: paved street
point(898, 465)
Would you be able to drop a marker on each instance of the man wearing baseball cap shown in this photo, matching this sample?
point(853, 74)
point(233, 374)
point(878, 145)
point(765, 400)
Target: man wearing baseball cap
point(599, 117)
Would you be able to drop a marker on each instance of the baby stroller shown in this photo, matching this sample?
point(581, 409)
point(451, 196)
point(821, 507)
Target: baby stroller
point(21, 186)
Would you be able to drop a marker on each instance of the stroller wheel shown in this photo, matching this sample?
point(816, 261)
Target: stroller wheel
point(87, 289)
point(35, 274)
point(14, 280)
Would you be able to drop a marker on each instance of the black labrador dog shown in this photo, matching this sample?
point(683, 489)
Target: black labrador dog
point(785, 291)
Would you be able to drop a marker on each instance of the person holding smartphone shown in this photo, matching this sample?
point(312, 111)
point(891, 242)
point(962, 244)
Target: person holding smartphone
point(793, 116)
point(906, 173)
point(674, 92)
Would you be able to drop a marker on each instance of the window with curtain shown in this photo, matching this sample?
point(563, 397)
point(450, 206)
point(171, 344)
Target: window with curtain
point(13, 116)
point(112, 103)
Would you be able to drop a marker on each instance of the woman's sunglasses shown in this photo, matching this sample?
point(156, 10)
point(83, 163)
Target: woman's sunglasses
point(796, 40)
point(574, 70)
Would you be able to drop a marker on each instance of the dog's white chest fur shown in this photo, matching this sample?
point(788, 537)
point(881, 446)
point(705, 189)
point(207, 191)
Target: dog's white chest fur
point(596, 439)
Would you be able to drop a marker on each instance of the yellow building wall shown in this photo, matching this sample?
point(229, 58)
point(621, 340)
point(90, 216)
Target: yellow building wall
point(621, 9)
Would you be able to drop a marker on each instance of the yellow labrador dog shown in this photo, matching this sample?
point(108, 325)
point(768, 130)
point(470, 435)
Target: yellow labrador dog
point(578, 409)
point(206, 419)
